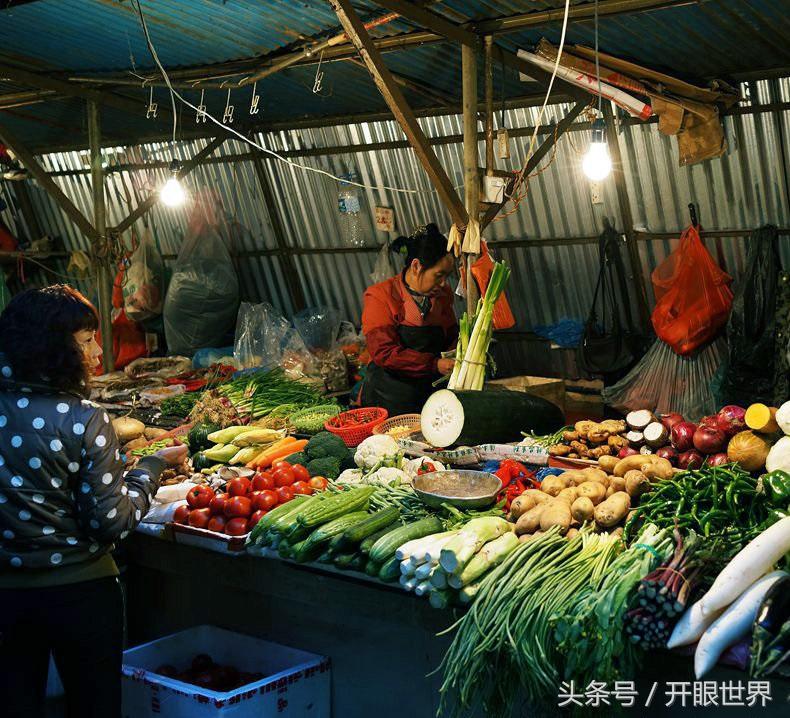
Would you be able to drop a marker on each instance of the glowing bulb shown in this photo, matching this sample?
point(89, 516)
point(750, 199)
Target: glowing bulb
point(173, 194)
point(596, 163)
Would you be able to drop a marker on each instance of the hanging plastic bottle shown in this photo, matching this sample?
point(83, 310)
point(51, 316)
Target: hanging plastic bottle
point(350, 212)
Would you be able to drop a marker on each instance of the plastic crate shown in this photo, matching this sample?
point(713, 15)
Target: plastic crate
point(368, 417)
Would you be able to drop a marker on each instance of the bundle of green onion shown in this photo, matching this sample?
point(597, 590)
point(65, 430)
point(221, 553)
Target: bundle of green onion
point(470, 355)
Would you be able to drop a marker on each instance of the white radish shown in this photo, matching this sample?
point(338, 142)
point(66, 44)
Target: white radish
point(418, 545)
point(423, 587)
point(691, 626)
point(406, 568)
point(439, 578)
point(751, 562)
point(732, 625)
point(424, 571)
point(410, 584)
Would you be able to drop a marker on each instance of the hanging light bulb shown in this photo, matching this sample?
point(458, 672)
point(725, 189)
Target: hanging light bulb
point(596, 163)
point(172, 193)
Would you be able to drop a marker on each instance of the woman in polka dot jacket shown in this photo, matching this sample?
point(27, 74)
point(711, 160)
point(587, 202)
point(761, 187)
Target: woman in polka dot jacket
point(64, 502)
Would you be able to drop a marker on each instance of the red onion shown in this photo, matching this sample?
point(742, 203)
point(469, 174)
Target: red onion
point(718, 460)
point(627, 451)
point(732, 419)
point(668, 453)
point(683, 435)
point(712, 421)
point(669, 420)
point(709, 440)
point(690, 460)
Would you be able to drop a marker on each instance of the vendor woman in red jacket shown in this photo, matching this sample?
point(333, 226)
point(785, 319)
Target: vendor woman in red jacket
point(408, 321)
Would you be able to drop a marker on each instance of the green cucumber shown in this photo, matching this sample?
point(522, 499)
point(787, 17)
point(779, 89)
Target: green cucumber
point(335, 506)
point(284, 549)
point(344, 560)
point(336, 528)
point(337, 543)
point(306, 551)
point(390, 570)
point(372, 524)
point(324, 558)
point(367, 544)
point(284, 520)
point(372, 568)
point(270, 518)
point(386, 546)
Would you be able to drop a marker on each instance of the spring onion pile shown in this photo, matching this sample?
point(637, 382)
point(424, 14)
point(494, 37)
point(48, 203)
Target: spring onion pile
point(470, 356)
point(547, 440)
point(506, 640)
point(261, 392)
point(590, 634)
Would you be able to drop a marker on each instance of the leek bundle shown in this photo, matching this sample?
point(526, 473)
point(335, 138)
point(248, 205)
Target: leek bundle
point(470, 357)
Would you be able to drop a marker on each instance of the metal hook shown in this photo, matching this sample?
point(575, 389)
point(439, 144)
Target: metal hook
point(153, 107)
point(228, 116)
point(693, 214)
point(319, 75)
point(201, 111)
point(256, 98)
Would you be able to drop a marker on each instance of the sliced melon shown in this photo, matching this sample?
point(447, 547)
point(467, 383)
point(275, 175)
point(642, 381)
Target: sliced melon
point(442, 418)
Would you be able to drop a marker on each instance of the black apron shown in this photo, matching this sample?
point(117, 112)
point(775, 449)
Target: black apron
point(400, 394)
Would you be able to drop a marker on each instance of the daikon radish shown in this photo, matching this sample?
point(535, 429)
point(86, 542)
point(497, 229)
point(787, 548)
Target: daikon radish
point(691, 626)
point(732, 625)
point(751, 562)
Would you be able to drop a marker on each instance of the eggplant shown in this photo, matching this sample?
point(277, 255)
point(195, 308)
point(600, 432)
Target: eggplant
point(774, 611)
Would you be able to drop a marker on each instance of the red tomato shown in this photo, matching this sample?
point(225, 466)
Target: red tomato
point(217, 523)
point(238, 506)
point(280, 465)
point(302, 487)
point(200, 497)
point(284, 477)
point(257, 516)
point(199, 518)
point(238, 487)
point(300, 472)
point(262, 481)
point(285, 494)
point(217, 504)
point(265, 500)
point(236, 526)
point(181, 514)
point(319, 483)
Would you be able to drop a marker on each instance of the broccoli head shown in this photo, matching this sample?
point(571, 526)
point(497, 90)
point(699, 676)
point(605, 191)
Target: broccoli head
point(298, 458)
point(326, 444)
point(328, 467)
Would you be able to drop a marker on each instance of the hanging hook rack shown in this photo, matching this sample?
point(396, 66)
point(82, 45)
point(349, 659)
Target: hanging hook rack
point(201, 111)
point(153, 107)
point(227, 117)
point(319, 75)
point(256, 98)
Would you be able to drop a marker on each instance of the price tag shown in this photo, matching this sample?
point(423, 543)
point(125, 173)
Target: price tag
point(385, 219)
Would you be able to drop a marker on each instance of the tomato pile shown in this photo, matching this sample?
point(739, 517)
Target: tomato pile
point(204, 673)
point(244, 502)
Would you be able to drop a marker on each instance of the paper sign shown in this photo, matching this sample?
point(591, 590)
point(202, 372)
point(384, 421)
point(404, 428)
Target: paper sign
point(385, 219)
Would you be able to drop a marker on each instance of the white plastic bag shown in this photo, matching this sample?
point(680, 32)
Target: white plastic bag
point(384, 267)
point(144, 282)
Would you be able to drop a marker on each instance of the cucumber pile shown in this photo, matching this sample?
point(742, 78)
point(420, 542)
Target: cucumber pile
point(339, 528)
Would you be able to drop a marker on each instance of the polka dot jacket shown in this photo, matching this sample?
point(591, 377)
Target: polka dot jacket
point(63, 496)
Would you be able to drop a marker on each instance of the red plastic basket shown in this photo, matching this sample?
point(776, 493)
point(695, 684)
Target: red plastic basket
point(367, 418)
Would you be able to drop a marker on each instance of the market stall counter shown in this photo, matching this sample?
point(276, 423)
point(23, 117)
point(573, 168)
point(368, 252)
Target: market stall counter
point(382, 641)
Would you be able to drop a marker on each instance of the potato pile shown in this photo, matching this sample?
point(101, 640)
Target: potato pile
point(591, 440)
point(603, 495)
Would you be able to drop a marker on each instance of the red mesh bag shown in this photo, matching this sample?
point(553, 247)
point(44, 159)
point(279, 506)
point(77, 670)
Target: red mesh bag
point(481, 270)
point(693, 297)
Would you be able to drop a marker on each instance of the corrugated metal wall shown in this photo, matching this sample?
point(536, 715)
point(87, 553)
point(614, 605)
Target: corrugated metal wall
point(743, 190)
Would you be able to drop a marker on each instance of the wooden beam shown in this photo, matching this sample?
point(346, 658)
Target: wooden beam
point(71, 89)
point(471, 176)
point(295, 290)
point(624, 204)
point(28, 213)
point(489, 101)
point(153, 198)
point(102, 267)
point(30, 163)
point(403, 113)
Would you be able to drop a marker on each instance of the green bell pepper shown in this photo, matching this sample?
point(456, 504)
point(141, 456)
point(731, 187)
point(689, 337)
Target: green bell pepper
point(776, 486)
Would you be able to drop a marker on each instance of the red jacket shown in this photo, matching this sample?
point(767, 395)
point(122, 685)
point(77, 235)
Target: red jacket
point(388, 305)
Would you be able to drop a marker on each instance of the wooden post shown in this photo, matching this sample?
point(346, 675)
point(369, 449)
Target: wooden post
point(100, 245)
point(42, 177)
point(625, 214)
point(295, 290)
point(403, 113)
point(489, 75)
point(471, 175)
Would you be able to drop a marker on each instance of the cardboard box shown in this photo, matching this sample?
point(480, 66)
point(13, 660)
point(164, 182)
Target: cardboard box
point(548, 388)
point(210, 540)
point(296, 684)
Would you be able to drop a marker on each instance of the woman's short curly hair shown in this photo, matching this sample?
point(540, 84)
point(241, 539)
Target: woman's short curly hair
point(37, 336)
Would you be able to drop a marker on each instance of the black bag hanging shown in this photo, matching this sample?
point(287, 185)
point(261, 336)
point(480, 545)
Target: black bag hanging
point(752, 326)
point(603, 349)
